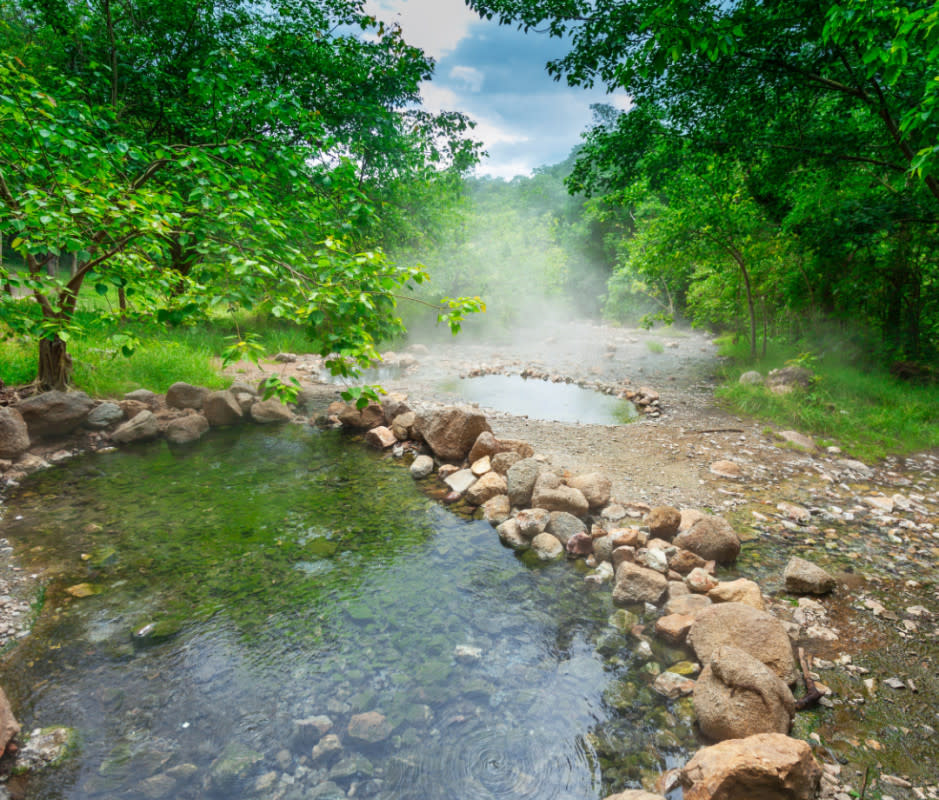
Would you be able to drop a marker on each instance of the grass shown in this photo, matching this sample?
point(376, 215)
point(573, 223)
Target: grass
point(864, 410)
point(655, 346)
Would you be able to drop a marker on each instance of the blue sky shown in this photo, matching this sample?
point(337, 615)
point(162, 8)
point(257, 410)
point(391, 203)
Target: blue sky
point(497, 76)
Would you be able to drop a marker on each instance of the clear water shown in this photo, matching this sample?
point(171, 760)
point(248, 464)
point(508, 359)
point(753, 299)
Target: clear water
point(265, 577)
point(545, 400)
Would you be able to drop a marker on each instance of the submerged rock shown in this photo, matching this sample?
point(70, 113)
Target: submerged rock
point(370, 727)
point(45, 747)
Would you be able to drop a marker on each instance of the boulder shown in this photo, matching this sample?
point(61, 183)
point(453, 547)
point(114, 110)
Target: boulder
point(393, 406)
point(689, 516)
point(603, 549)
point(712, 539)
point(9, 727)
point(783, 381)
point(580, 544)
point(673, 628)
point(150, 399)
point(738, 591)
point(485, 445)
point(488, 486)
point(594, 486)
point(361, 419)
point(550, 493)
point(533, 521)
point(687, 603)
point(502, 462)
point(460, 481)
point(635, 584)
point(547, 547)
point(378, 437)
point(520, 481)
point(185, 395)
point(496, 510)
point(186, 429)
point(768, 766)
point(451, 432)
point(758, 633)
point(663, 522)
point(271, 410)
point(700, 580)
point(421, 467)
point(804, 577)
point(403, 426)
point(105, 415)
point(738, 696)
point(53, 414)
point(563, 525)
point(683, 561)
point(142, 427)
point(14, 435)
point(222, 408)
point(510, 535)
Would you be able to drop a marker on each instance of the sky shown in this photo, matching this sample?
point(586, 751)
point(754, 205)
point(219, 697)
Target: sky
point(496, 74)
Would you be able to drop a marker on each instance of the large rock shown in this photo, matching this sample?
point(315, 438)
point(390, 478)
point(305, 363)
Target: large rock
point(105, 415)
point(451, 432)
point(562, 524)
point(9, 727)
point(547, 547)
point(403, 425)
point(520, 481)
point(757, 632)
point(222, 408)
point(185, 395)
point(496, 510)
point(738, 696)
point(783, 381)
point(488, 486)
point(712, 538)
point(54, 413)
point(804, 577)
point(421, 467)
point(768, 766)
point(663, 522)
point(511, 536)
point(460, 481)
point(594, 486)
point(738, 591)
point(186, 429)
point(552, 494)
point(141, 428)
point(265, 412)
point(361, 418)
point(532, 521)
point(635, 584)
point(380, 437)
point(14, 435)
point(486, 444)
point(634, 794)
point(394, 405)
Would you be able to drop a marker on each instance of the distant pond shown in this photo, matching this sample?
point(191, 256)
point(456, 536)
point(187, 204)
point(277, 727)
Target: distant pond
point(246, 600)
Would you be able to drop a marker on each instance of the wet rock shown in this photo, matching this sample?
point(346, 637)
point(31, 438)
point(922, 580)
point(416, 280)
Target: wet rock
point(602, 574)
point(712, 539)
point(510, 535)
point(9, 727)
point(804, 577)
point(520, 481)
point(738, 591)
point(186, 429)
point(451, 432)
point(353, 766)
point(634, 794)
point(157, 786)
point(421, 467)
point(309, 730)
point(533, 521)
point(663, 522)
point(726, 469)
point(673, 628)
point(580, 544)
point(550, 493)
point(460, 481)
point(635, 584)
point(14, 434)
point(496, 510)
point(490, 485)
point(768, 766)
point(547, 547)
point(272, 410)
point(54, 413)
point(378, 437)
point(738, 696)
point(46, 747)
point(104, 416)
point(594, 486)
point(185, 395)
point(758, 633)
point(326, 748)
point(141, 428)
point(562, 525)
point(403, 426)
point(222, 408)
point(370, 727)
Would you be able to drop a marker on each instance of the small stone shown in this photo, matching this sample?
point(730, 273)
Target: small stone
point(421, 467)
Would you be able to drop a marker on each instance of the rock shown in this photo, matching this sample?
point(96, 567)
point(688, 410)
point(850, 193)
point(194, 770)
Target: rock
point(547, 547)
point(485, 445)
point(14, 434)
point(9, 727)
point(361, 419)
point(481, 466)
point(594, 486)
point(673, 628)
point(550, 493)
point(186, 429)
point(804, 577)
point(700, 581)
point(603, 548)
point(613, 513)
point(751, 378)
point(760, 634)
point(635, 584)
point(580, 544)
point(533, 521)
point(689, 516)
point(738, 696)
point(663, 522)
point(379, 437)
point(795, 512)
point(520, 481)
point(879, 503)
point(497, 510)
point(510, 535)
point(265, 412)
point(683, 561)
point(488, 486)
point(230, 769)
point(393, 406)
point(653, 558)
point(403, 426)
point(222, 408)
point(712, 539)
point(460, 481)
point(673, 685)
point(738, 591)
point(421, 467)
point(46, 747)
point(502, 462)
point(628, 537)
point(726, 469)
point(326, 747)
point(768, 766)
point(131, 408)
point(783, 381)
point(451, 432)
point(690, 604)
point(54, 413)
point(150, 399)
point(634, 794)
point(104, 415)
point(621, 554)
point(185, 395)
point(798, 440)
point(370, 727)
point(141, 428)
point(563, 525)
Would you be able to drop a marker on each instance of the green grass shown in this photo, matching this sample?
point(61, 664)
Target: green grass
point(655, 346)
point(864, 410)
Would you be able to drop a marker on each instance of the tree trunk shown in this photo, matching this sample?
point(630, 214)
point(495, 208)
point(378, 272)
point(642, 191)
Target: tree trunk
point(55, 365)
point(738, 257)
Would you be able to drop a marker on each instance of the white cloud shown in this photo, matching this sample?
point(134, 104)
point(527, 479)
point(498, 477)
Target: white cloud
point(470, 77)
point(621, 100)
point(436, 26)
